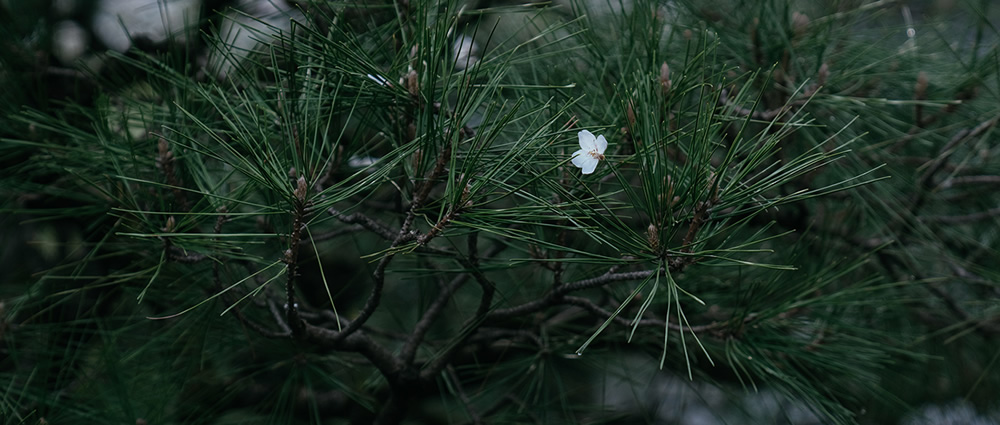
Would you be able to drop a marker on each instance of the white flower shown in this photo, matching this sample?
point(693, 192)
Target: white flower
point(591, 151)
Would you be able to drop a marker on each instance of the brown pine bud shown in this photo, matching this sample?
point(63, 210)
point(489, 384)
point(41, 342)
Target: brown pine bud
point(665, 82)
point(920, 91)
point(412, 85)
point(653, 237)
point(300, 190)
point(163, 147)
point(466, 194)
point(667, 197)
point(800, 23)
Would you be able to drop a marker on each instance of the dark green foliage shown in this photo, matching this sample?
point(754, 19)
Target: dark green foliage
point(355, 227)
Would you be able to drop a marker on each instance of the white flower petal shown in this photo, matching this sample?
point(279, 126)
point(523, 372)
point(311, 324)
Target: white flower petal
point(581, 157)
point(602, 144)
point(589, 166)
point(587, 140)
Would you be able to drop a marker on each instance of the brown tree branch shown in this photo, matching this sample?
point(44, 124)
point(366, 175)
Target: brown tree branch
point(554, 296)
point(404, 235)
point(469, 327)
point(597, 310)
point(292, 256)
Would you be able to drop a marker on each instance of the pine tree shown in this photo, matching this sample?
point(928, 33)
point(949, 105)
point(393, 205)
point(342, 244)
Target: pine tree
point(496, 212)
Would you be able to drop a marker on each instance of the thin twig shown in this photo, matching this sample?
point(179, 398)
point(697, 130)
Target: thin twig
point(924, 182)
point(408, 353)
point(473, 323)
point(476, 419)
point(494, 335)
point(938, 162)
point(231, 300)
point(358, 342)
point(179, 255)
point(292, 256)
point(768, 115)
point(372, 303)
point(696, 222)
point(604, 280)
point(336, 233)
point(968, 180)
point(404, 235)
point(368, 223)
point(272, 306)
point(165, 162)
point(597, 310)
point(439, 226)
point(967, 218)
point(552, 298)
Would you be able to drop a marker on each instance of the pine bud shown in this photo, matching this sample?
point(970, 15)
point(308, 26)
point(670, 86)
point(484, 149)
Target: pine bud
point(920, 91)
point(668, 196)
point(466, 194)
point(800, 23)
point(665, 82)
point(653, 237)
point(411, 83)
point(300, 191)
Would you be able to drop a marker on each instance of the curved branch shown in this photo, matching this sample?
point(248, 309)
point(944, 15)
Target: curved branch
point(473, 323)
point(597, 310)
point(405, 234)
point(357, 342)
point(364, 221)
point(554, 296)
point(409, 351)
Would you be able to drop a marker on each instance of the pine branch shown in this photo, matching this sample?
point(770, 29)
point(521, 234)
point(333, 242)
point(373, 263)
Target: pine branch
point(292, 257)
point(714, 327)
point(434, 368)
point(555, 296)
